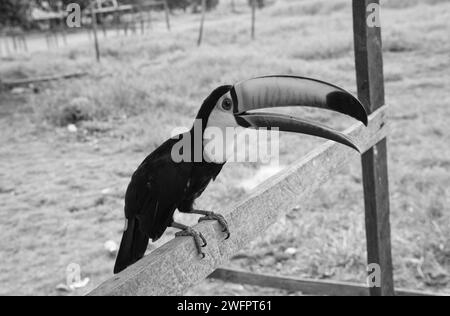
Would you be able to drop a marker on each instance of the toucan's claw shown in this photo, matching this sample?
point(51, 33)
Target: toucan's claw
point(199, 239)
point(217, 217)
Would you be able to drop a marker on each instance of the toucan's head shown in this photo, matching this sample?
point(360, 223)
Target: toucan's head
point(240, 105)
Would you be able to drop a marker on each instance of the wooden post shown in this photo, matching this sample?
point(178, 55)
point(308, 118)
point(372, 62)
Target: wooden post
point(253, 18)
point(14, 40)
point(6, 44)
point(141, 17)
point(233, 6)
point(104, 30)
point(94, 30)
point(63, 30)
point(3, 44)
point(24, 43)
point(149, 18)
point(117, 20)
point(202, 22)
point(166, 9)
point(369, 71)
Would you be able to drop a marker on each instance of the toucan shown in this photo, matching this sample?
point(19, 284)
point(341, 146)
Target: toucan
point(161, 185)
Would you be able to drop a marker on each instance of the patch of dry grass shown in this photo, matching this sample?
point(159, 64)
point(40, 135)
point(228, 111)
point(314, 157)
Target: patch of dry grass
point(61, 193)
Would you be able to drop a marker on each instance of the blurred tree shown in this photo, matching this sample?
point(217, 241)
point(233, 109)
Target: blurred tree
point(178, 4)
point(259, 3)
point(18, 12)
point(15, 12)
point(60, 4)
point(197, 4)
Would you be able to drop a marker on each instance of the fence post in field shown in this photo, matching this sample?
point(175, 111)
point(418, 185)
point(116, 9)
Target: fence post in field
point(202, 22)
point(369, 71)
point(14, 43)
point(5, 42)
point(117, 21)
point(142, 19)
point(104, 30)
point(253, 18)
point(94, 30)
point(233, 6)
point(63, 30)
point(149, 17)
point(24, 43)
point(166, 9)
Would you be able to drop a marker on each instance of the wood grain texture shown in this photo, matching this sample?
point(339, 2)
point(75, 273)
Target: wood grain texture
point(175, 267)
point(305, 286)
point(370, 80)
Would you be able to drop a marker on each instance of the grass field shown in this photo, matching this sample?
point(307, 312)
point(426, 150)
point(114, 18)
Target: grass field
point(61, 193)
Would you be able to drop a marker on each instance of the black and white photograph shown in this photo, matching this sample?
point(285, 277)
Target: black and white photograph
point(231, 155)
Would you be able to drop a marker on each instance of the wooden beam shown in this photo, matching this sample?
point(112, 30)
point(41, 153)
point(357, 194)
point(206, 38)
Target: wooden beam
point(25, 82)
point(304, 286)
point(176, 266)
point(369, 71)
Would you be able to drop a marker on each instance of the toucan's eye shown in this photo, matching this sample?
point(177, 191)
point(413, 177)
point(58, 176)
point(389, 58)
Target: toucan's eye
point(227, 104)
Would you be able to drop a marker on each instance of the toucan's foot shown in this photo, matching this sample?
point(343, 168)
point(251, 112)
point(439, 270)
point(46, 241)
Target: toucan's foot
point(199, 240)
point(210, 216)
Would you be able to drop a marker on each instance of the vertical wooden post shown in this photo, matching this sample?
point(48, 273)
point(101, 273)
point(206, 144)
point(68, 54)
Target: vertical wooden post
point(233, 6)
point(62, 23)
point(117, 20)
point(202, 22)
point(63, 30)
point(14, 42)
point(253, 18)
point(94, 30)
point(104, 30)
point(166, 9)
point(370, 80)
point(150, 17)
point(141, 17)
point(1, 47)
point(25, 43)
point(7, 48)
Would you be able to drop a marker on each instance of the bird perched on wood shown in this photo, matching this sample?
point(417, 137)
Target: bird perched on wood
point(162, 184)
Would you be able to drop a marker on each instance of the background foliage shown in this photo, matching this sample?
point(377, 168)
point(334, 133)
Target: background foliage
point(18, 12)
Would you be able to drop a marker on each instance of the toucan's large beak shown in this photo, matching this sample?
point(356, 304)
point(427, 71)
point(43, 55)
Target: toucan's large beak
point(284, 91)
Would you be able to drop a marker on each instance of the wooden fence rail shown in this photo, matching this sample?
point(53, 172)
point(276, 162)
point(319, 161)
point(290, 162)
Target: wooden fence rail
point(305, 286)
point(175, 267)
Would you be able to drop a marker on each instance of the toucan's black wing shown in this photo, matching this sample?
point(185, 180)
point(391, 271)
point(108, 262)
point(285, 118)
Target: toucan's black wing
point(155, 191)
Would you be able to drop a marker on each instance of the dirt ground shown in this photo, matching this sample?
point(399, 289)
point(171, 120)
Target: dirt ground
point(61, 190)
